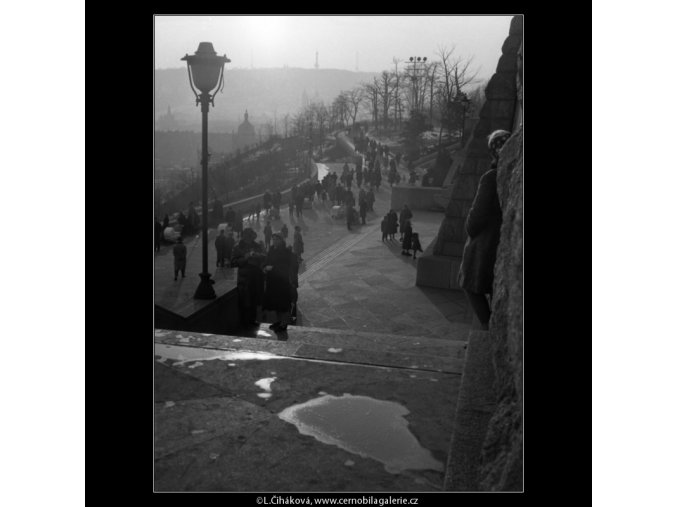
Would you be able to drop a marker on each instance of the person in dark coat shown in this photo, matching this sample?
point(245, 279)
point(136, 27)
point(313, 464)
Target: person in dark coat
point(180, 254)
point(238, 225)
point(363, 210)
point(278, 269)
point(294, 281)
point(405, 215)
point(230, 217)
point(299, 203)
point(267, 235)
point(483, 225)
point(165, 224)
point(182, 221)
point(298, 243)
point(217, 211)
point(392, 225)
point(248, 257)
point(220, 244)
point(349, 215)
point(267, 201)
point(284, 230)
point(371, 199)
point(406, 242)
point(158, 234)
point(416, 244)
point(385, 224)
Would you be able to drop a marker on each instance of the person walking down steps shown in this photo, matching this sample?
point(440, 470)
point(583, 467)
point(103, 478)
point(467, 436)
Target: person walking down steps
point(180, 254)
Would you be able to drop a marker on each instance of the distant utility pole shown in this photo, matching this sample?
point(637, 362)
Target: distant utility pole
point(317, 66)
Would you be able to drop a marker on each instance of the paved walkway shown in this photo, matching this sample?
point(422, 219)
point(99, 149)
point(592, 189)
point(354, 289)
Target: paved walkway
point(348, 280)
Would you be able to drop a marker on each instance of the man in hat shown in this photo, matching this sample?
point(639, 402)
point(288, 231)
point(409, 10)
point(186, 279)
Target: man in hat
point(180, 254)
point(220, 245)
point(248, 256)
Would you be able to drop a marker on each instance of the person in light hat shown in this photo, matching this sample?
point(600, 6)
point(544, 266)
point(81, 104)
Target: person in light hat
point(483, 225)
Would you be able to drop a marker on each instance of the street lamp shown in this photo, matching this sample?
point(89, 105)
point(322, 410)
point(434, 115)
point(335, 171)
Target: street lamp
point(462, 99)
point(414, 75)
point(205, 72)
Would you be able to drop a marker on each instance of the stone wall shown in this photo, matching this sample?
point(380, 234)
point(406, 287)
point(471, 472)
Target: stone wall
point(498, 112)
point(502, 453)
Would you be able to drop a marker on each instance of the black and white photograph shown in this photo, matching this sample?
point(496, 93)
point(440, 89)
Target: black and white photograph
point(338, 253)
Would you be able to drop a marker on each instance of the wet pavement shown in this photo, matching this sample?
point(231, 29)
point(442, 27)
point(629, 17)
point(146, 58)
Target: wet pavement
point(370, 427)
point(359, 397)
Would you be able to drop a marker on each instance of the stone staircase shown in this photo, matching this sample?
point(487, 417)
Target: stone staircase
point(471, 359)
point(339, 345)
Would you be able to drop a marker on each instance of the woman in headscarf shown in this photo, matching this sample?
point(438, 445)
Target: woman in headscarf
point(483, 225)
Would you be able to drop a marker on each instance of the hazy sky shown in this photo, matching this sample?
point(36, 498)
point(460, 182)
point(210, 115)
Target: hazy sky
point(275, 41)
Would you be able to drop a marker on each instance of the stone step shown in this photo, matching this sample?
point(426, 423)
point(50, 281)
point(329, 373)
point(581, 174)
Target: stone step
point(336, 345)
point(474, 409)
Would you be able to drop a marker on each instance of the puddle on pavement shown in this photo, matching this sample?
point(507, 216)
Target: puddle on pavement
point(185, 355)
point(264, 383)
point(365, 426)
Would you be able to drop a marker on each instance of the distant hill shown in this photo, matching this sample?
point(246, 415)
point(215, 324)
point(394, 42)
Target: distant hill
point(263, 92)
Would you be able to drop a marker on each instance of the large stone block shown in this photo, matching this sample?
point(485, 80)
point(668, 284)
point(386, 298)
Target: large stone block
point(507, 63)
point(502, 109)
point(482, 131)
point(511, 45)
point(517, 25)
point(501, 86)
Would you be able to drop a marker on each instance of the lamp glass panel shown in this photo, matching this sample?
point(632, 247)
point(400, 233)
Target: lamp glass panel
point(205, 74)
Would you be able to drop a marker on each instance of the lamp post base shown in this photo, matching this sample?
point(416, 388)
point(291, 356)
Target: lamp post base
point(205, 289)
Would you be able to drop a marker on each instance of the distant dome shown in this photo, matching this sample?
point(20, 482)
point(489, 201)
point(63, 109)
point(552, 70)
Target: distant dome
point(246, 133)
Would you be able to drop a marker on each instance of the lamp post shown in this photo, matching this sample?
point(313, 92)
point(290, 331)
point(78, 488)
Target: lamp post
point(205, 72)
point(414, 76)
point(462, 99)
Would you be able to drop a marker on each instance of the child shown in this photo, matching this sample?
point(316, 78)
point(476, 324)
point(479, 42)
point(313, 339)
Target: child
point(415, 244)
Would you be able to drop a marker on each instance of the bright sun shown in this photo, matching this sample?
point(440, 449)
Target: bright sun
point(268, 30)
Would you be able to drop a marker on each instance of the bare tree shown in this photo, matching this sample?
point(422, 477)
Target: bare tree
point(385, 90)
point(321, 118)
point(398, 92)
point(432, 80)
point(339, 110)
point(371, 91)
point(456, 76)
point(354, 98)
